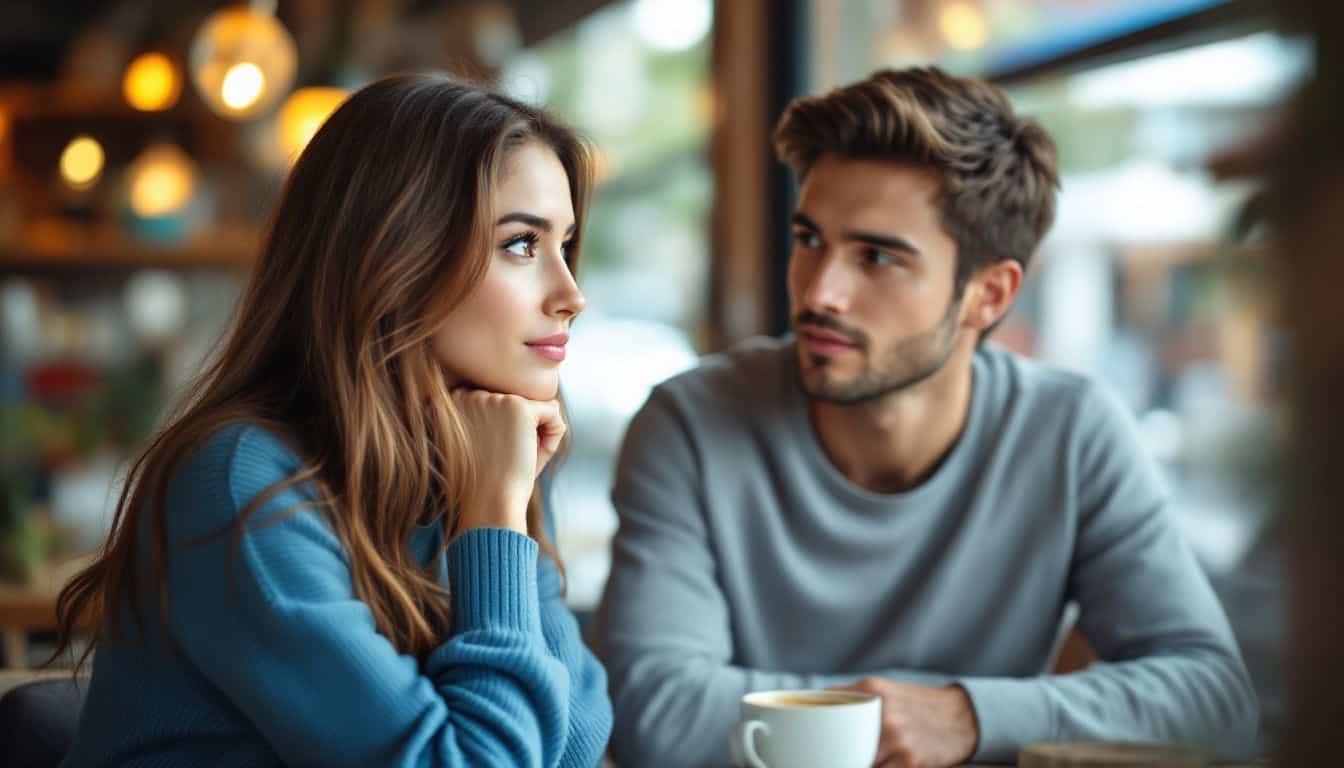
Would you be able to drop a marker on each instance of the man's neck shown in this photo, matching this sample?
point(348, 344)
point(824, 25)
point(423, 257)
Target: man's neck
point(895, 443)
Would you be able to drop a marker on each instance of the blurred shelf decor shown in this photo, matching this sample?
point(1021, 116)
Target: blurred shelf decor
point(55, 244)
point(131, 209)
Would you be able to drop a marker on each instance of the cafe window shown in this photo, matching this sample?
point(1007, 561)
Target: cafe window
point(633, 78)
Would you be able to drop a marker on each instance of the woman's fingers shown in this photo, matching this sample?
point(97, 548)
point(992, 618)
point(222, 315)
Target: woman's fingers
point(550, 426)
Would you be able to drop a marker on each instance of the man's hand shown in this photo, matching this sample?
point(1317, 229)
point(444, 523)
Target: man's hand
point(922, 727)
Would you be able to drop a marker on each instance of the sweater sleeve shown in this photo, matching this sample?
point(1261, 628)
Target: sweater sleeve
point(589, 704)
point(271, 620)
point(1172, 670)
point(663, 627)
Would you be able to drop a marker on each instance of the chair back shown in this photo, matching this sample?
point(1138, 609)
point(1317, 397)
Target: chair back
point(38, 720)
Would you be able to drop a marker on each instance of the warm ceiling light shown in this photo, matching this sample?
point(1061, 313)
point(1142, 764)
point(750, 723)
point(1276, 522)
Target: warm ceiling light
point(963, 25)
point(303, 113)
point(242, 62)
point(672, 25)
point(82, 162)
point(152, 82)
point(162, 181)
point(242, 86)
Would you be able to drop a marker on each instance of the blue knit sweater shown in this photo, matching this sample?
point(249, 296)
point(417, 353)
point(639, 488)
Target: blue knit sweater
point(271, 659)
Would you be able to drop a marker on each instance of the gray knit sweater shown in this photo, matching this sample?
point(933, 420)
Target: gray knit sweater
point(746, 561)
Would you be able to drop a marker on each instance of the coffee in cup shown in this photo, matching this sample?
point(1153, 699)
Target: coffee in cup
point(805, 699)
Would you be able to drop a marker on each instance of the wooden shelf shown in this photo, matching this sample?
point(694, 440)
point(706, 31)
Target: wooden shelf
point(46, 245)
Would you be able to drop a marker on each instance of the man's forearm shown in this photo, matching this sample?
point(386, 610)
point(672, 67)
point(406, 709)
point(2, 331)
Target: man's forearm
point(1199, 699)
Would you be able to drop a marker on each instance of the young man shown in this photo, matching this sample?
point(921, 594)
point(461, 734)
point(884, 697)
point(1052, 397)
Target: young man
point(881, 502)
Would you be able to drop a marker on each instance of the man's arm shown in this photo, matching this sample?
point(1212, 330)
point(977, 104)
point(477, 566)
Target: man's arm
point(1172, 670)
point(664, 629)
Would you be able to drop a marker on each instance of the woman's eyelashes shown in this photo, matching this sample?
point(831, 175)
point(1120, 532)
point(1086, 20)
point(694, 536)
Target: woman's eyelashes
point(524, 246)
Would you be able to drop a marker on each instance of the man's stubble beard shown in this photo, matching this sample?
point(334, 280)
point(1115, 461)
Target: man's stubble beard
point(908, 362)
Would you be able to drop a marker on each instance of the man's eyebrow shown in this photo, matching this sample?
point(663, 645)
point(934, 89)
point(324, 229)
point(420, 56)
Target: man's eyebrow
point(802, 221)
point(891, 242)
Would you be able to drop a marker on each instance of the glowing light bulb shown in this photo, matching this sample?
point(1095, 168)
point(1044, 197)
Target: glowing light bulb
point(162, 181)
point(963, 25)
point(673, 25)
point(242, 62)
point(303, 113)
point(82, 162)
point(242, 85)
point(152, 82)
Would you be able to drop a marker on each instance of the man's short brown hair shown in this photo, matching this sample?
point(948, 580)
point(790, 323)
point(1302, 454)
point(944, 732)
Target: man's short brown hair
point(997, 170)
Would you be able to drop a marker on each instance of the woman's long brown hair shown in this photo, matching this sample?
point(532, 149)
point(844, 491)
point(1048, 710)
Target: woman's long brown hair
point(384, 225)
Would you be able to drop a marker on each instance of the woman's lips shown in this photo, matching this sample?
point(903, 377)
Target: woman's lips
point(554, 352)
point(551, 347)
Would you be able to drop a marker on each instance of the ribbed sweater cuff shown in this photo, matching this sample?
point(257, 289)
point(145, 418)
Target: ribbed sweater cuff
point(1011, 713)
point(587, 741)
point(492, 573)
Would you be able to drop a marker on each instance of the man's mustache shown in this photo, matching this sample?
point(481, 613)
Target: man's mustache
point(854, 336)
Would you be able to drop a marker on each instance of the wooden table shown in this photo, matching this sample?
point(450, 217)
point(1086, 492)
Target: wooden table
point(24, 608)
point(607, 763)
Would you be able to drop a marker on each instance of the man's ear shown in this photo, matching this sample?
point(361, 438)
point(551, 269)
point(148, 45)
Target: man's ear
point(991, 293)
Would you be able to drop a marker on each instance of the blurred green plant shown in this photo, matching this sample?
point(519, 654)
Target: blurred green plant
point(21, 544)
point(119, 414)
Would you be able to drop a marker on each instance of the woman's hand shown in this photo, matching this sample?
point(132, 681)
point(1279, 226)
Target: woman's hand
point(512, 439)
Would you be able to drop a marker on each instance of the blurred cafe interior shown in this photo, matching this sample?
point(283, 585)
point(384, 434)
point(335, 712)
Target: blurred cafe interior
point(143, 142)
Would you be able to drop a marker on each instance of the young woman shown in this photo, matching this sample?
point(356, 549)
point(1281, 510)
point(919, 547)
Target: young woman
point(335, 553)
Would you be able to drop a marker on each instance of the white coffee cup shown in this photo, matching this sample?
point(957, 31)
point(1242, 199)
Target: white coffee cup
point(806, 729)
